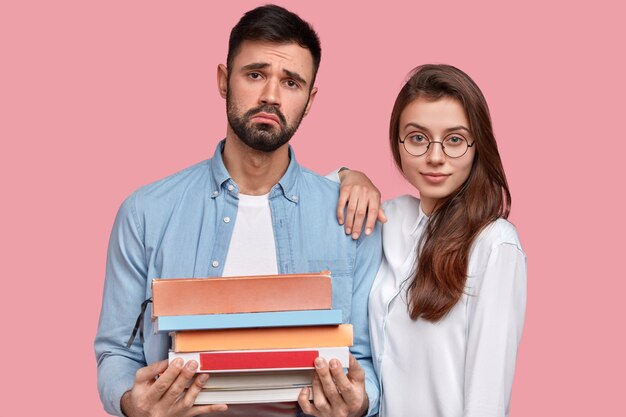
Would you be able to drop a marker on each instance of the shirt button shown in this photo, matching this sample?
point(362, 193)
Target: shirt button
point(294, 197)
point(226, 219)
point(215, 264)
point(215, 193)
point(230, 187)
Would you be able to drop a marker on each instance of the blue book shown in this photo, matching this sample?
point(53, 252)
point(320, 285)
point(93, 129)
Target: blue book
point(246, 320)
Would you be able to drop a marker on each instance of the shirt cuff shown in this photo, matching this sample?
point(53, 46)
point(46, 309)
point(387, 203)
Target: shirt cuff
point(334, 176)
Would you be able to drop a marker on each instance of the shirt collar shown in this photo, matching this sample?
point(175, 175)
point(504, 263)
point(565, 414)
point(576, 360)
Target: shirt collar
point(287, 185)
point(420, 220)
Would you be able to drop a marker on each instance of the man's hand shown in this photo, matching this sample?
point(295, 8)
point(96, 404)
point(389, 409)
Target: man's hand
point(165, 396)
point(358, 197)
point(336, 394)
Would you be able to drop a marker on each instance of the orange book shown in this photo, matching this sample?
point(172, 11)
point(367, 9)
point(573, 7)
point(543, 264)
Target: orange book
point(191, 296)
point(262, 338)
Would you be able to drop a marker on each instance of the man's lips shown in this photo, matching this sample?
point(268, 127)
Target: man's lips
point(266, 118)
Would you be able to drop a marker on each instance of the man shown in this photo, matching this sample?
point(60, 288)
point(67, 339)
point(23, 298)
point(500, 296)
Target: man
point(250, 209)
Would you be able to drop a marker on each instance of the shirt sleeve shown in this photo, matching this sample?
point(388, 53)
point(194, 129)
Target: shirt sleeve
point(368, 259)
point(334, 176)
point(124, 291)
point(495, 321)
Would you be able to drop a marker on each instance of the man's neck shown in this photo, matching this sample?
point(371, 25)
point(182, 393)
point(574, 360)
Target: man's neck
point(254, 172)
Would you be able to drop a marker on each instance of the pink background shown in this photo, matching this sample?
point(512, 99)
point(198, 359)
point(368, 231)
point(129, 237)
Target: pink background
point(99, 98)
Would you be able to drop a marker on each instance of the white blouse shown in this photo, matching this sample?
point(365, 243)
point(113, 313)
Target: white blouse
point(463, 364)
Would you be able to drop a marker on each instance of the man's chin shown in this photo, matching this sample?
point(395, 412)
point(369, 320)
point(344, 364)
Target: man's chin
point(265, 147)
point(264, 127)
point(263, 144)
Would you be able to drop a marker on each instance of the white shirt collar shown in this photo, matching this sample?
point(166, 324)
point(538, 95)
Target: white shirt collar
point(421, 218)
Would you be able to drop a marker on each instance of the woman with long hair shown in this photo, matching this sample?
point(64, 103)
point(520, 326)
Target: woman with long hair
point(447, 307)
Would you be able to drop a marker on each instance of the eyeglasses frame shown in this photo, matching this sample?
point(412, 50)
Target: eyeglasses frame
point(443, 148)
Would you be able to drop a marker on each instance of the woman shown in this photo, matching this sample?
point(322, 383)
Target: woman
point(447, 306)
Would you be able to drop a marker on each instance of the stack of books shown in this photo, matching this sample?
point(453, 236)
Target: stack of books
point(257, 336)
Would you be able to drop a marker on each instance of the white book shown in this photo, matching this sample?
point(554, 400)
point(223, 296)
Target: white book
point(269, 395)
point(255, 380)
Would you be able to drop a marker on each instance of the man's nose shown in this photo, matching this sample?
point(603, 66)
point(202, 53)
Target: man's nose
point(271, 93)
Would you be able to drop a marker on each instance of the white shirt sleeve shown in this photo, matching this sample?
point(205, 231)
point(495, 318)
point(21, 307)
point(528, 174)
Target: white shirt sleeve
point(495, 320)
point(334, 176)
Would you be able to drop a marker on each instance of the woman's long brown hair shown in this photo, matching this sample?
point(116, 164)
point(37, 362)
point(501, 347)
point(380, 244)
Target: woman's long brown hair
point(456, 220)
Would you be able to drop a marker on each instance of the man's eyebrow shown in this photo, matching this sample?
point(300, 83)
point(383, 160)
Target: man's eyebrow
point(295, 76)
point(255, 65)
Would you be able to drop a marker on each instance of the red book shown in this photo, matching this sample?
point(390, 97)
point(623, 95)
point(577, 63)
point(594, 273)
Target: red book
point(263, 360)
point(224, 361)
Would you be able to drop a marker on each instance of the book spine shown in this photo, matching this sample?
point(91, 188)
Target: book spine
point(247, 320)
point(262, 338)
point(177, 297)
point(257, 380)
point(253, 396)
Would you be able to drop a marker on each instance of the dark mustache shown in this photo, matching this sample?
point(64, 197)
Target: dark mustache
point(266, 109)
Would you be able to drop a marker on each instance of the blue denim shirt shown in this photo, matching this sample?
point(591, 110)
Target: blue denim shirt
point(177, 227)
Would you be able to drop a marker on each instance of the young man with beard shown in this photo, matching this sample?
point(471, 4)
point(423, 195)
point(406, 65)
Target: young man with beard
point(249, 210)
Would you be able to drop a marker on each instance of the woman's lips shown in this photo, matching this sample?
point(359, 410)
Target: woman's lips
point(435, 177)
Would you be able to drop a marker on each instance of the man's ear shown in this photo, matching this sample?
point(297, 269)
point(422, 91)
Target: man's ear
point(312, 95)
point(222, 79)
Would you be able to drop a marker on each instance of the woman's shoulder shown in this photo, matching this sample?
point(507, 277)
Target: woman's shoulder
point(403, 213)
point(401, 205)
point(498, 245)
point(399, 238)
point(498, 233)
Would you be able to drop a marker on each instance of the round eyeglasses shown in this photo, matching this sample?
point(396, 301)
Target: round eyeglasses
point(453, 145)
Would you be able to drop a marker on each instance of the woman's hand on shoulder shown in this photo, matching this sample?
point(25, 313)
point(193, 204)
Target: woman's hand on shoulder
point(359, 201)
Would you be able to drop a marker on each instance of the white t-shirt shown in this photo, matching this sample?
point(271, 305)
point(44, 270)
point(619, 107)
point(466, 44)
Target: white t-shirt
point(252, 251)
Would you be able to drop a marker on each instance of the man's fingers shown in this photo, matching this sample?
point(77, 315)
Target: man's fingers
point(320, 402)
point(176, 389)
point(328, 386)
point(355, 372)
point(163, 383)
point(350, 392)
point(192, 393)
point(197, 410)
point(150, 372)
point(305, 403)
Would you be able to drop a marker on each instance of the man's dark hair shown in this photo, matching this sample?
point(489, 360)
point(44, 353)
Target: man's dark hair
point(271, 23)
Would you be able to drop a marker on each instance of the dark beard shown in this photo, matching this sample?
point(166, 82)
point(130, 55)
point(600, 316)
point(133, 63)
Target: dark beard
point(262, 137)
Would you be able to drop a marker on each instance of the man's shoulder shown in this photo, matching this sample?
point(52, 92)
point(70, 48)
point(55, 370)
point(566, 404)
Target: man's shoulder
point(174, 186)
point(318, 182)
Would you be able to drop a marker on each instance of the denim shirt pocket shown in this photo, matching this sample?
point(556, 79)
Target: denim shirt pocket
point(341, 276)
